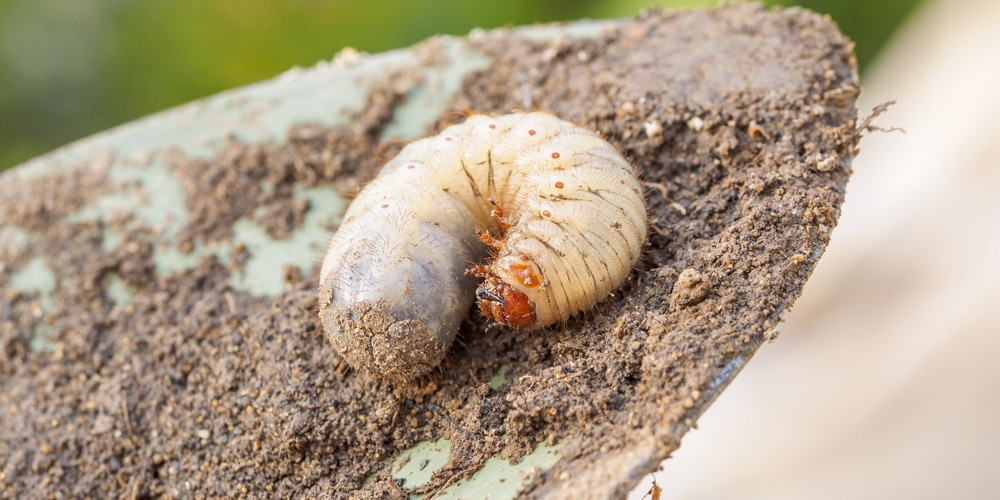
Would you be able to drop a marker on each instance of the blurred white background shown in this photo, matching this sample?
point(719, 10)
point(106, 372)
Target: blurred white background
point(884, 382)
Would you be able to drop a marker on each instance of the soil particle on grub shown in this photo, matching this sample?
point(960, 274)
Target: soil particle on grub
point(738, 119)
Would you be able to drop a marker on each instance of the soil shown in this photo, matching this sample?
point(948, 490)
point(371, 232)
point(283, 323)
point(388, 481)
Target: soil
point(740, 120)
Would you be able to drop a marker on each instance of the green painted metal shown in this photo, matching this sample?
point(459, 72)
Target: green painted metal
point(500, 378)
point(498, 479)
point(416, 465)
point(36, 277)
point(268, 257)
point(501, 480)
point(118, 291)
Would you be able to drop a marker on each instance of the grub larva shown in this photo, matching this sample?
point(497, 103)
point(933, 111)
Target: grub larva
point(547, 214)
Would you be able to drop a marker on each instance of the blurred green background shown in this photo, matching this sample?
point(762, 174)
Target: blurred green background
point(70, 68)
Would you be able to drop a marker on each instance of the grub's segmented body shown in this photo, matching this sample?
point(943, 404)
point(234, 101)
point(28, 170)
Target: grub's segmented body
point(562, 209)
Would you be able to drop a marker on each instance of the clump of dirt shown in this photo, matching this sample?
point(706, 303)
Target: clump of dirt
point(31, 205)
point(738, 119)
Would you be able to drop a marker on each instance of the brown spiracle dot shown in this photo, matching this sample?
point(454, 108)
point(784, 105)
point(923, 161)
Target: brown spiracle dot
point(555, 155)
point(546, 213)
point(531, 132)
point(560, 185)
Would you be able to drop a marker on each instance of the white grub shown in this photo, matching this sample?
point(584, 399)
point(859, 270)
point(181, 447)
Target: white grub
point(562, 209)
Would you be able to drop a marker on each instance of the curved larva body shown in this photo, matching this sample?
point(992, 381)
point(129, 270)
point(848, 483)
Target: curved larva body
point(394, 286)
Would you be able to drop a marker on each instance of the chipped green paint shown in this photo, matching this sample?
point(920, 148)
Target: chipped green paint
point(162, 207)
point(13, 235)
point(415, 466)
point(500, 378)
point(154, 196)
point(118, 291)
point(36, 277)
point(424, 103)
point(263, 274)
point(151, 194)
point(264, 271)
point(111, 240)
point(168, 259)
point(498, 479)
point(262, 112)
point(41, 340)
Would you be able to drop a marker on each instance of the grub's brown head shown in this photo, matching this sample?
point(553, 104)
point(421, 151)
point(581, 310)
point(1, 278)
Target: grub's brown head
point(502, 303)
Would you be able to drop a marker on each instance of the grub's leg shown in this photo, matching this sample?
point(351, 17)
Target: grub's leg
point(497, 213)
point(485, 236)
point(479, 271)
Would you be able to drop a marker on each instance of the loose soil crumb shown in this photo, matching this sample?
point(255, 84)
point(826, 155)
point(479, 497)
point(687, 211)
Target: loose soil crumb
point(738, 119)
point(690, 288)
